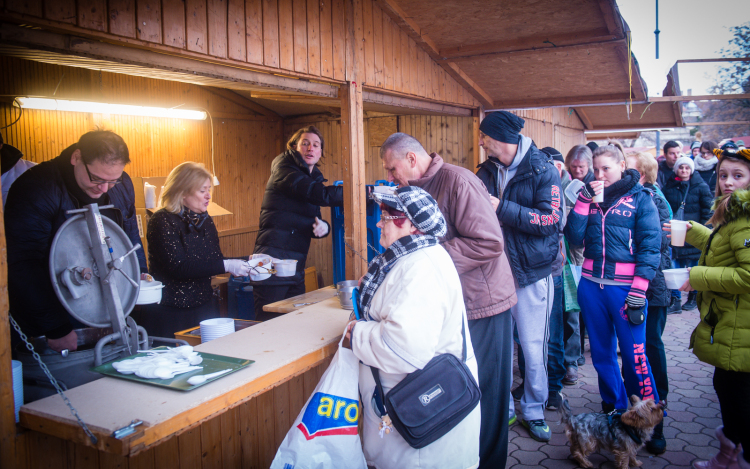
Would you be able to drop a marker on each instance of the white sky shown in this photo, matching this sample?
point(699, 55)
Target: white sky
point(690, 29)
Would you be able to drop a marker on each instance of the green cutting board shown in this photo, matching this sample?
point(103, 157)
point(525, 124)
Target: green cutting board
point(211, 364)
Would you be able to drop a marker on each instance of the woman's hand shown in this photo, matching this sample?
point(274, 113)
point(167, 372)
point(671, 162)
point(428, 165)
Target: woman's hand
point(686, 286)
point(320, 228)
point(348, 335)
point(495, 202)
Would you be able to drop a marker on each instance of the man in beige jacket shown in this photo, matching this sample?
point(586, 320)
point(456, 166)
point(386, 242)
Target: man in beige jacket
point(475, 244)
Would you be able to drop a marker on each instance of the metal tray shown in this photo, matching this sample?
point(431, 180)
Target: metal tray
point(211, 363)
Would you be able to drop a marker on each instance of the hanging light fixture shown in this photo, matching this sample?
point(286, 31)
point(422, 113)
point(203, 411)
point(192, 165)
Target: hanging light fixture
point(49, 104)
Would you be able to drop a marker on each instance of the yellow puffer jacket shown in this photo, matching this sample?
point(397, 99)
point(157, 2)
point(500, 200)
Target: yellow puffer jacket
point(722, 278)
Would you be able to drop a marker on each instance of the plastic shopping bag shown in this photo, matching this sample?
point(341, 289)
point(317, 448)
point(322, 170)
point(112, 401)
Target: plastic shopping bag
point(325, 434)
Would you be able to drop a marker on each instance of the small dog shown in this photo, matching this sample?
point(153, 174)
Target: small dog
point(623, 435)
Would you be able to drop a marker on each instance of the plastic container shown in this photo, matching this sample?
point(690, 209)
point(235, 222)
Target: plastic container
point(675, 278)
point(285, 267)
point(260, 268)
point(149, 293)
point(214, 328)
point(344, 292)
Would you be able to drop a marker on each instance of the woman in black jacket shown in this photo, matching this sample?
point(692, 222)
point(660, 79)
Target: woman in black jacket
point(290, 214)
point(658, 295)
point(698, 202)
point(184, 253)
point(705, 164)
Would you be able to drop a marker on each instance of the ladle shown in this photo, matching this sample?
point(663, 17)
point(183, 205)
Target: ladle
point(200, 379)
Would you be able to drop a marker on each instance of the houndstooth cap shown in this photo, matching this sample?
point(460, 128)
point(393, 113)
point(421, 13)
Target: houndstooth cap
point(419, 207)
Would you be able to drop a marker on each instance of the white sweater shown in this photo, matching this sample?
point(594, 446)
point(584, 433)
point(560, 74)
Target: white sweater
point(417, 314)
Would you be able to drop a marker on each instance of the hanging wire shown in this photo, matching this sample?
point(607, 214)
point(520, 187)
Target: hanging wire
point(20, 113)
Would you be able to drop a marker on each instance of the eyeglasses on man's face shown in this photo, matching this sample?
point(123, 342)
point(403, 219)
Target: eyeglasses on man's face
point(385, 218)
point(99, 181)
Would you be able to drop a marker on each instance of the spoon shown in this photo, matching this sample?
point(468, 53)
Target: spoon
point(200, 379)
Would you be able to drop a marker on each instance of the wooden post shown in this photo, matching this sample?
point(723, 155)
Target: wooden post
point(352, 146)
point(7, 407)
point(478, 152)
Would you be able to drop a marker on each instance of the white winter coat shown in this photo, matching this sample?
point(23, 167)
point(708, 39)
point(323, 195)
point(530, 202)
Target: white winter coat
point(417, 314)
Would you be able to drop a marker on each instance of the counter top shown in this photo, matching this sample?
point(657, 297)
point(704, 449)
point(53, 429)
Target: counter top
point(281, 348)
point(288, 305)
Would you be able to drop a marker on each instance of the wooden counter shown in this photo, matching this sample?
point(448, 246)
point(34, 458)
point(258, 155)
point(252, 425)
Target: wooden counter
point(237, 421)
point(288, 305)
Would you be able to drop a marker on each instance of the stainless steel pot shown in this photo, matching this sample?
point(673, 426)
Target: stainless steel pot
point(344, 292)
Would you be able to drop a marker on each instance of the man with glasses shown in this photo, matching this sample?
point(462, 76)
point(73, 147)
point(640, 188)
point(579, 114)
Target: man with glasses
point(87, 172)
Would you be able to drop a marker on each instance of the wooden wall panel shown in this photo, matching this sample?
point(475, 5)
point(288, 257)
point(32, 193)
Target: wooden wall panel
point(148, 16)
point(243, 150)
point(254, 30)
point(174, 23)
point(217, 28)
point(121, 17)
point(197, 25)
point(299, 15)
point(270, 33)
point(61, 10)
point(286, 35)
point(92, 14)
point(313, 37)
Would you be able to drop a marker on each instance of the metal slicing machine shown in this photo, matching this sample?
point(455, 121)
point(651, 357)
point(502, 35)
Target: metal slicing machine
point(96, 276)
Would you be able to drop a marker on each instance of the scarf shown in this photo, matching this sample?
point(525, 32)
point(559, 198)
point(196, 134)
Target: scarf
point(194, 220)
point(702, 164)
point(612, 194)
point(382, 264)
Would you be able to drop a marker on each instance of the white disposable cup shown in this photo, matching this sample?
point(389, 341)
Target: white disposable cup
point(679, 229)
point(675, 278)
point(598, 198)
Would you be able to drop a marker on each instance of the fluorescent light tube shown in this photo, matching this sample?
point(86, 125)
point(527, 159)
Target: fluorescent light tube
point(104, 108)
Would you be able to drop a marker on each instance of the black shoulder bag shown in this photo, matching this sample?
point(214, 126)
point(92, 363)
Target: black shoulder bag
point(680, 214)
point(430, 402)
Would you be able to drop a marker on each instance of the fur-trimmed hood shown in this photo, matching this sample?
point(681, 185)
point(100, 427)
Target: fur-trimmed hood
point(739, 205)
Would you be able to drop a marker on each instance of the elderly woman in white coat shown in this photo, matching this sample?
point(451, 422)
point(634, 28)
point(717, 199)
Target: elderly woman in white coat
point(412, 310)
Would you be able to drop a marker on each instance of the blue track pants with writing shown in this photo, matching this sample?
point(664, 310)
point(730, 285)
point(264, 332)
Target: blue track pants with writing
point(604, 312)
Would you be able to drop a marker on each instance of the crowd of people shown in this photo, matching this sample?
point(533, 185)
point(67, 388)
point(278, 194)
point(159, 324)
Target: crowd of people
point(473, 262)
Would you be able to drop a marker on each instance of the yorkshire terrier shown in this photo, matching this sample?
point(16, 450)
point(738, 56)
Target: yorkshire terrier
point(622, 434)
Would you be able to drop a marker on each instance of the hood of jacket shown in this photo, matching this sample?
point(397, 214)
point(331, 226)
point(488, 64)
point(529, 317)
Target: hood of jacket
point(9, 156)
point(524, 143)
point(739, 205)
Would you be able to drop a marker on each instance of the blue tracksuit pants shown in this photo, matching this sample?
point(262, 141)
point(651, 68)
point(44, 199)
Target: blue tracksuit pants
point(603, 310)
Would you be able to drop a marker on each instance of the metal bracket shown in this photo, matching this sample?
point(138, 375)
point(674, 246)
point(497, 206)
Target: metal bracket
point(128, 430)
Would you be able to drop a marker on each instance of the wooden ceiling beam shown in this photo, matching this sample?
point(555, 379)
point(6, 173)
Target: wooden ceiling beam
point(416, 104)
point(572, 101)
point(718, 59)
point(698, 124)
point(615, 135)
point(635, 126)
point(611, 17)
point(543, 50)
point(240, 100)
point(706, 97)
point(677, 112)
point(528, 43)
point(413, 30)
point(584, 118)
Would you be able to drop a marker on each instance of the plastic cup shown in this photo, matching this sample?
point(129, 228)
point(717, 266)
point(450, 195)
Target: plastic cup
point(598, 198)
point(679, 229)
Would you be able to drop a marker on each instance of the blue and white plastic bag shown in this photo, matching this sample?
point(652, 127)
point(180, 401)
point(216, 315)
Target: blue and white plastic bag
point(325, 433)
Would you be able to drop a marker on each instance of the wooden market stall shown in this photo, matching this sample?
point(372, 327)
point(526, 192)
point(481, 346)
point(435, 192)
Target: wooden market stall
point(359, 70)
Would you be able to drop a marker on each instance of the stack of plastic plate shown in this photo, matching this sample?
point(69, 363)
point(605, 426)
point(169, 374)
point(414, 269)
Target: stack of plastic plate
point(17, 385)
point(214, 328)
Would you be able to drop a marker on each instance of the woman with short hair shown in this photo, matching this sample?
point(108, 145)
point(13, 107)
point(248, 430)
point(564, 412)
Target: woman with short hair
point(290, 214)
point(184, 253)
point(412, 310)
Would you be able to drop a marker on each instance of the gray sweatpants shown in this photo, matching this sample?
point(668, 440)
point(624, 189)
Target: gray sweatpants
point(531, 316)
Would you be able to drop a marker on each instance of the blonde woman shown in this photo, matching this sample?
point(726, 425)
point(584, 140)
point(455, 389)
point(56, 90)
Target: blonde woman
point(184, 253)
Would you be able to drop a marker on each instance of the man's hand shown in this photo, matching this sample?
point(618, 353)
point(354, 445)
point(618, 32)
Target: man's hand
point(495, 202)
point(320, 228)
point(69, 342)
point(237, 267)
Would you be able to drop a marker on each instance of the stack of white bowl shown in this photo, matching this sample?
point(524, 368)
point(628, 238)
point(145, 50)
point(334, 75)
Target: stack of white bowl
point(17, 385)
point(214, 328)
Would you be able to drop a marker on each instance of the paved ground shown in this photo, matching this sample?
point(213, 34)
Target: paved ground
point(689, 428)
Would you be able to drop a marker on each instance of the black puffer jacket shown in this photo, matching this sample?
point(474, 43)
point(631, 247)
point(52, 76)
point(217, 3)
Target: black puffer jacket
point(530, 214)
point(291, 202)
point(664, 174)
point(657, 293)
point(697, 207)
point(35, 210)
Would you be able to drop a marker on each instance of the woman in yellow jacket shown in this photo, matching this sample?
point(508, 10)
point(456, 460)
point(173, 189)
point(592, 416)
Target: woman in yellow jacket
point(722, 279)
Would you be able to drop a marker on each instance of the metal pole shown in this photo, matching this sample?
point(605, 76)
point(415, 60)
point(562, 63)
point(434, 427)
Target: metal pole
point(656, 31)
point(658, 142)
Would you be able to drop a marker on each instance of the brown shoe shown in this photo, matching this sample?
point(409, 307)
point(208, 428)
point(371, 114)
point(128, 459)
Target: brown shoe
point(571, 376)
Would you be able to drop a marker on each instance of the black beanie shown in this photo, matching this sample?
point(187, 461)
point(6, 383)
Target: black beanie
point(554, 154)
point(592, 145)
point(502, 126)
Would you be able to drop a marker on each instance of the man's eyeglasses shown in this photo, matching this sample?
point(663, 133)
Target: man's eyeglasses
point(99, 181)
point(384, 218)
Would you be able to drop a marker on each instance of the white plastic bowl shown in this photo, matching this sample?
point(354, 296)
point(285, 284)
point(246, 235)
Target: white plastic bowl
point(214, 328)
point(150, 292)
point(675, 278)
point(259, 267)
point(285, 267)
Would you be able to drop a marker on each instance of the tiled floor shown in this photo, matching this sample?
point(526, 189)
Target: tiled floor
point(693, 412)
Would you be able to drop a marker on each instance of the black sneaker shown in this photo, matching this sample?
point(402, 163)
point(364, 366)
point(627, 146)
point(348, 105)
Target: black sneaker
point(674, 306)
point(518, 392)
point(554, 401)
point(581, 360)
point(571, 376)
point(691, 303)
point(658, 444)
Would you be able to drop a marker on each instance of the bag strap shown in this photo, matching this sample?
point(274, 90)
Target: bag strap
point(380, 396)
point(681, 210)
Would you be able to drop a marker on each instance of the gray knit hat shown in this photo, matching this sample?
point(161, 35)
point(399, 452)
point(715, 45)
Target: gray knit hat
point(418, 206)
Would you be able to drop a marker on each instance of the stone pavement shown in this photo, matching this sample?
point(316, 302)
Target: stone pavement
point(693, 411)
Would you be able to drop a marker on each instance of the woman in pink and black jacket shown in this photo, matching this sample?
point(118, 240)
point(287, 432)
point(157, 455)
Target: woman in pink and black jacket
point(622, 240)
